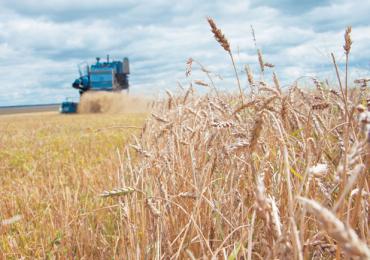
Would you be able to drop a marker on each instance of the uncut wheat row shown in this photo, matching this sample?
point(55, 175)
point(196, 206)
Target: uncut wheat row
point(272, 174)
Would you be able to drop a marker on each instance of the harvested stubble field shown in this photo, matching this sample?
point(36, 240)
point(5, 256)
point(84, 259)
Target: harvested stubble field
point(52, 168)
point(272, 174)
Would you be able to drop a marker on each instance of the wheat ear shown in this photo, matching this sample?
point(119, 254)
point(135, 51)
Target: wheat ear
point(343, 234)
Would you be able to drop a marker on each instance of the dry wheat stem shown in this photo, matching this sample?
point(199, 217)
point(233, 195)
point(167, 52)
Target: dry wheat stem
point(344, 235)
point(220, 37)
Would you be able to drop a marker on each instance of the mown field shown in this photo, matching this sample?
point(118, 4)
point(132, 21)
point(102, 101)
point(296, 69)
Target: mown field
point(52, 169)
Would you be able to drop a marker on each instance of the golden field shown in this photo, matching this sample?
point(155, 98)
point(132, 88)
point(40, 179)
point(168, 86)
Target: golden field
point(52, 168)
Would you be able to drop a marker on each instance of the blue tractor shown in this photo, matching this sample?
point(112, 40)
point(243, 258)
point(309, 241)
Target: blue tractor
point(68, 107)
point(102, 76)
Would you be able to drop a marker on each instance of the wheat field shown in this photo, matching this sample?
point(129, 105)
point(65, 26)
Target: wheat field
point(268, 173)
point(52, 169)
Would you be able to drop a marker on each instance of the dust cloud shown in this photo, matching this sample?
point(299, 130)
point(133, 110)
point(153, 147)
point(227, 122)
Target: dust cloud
point(112, 103)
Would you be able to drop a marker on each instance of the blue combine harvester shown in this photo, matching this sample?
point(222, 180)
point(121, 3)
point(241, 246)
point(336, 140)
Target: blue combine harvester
point(102, 76)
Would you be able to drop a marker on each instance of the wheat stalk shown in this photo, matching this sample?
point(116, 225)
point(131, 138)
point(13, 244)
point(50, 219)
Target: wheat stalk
point(343, 234)
point(220, 37)
point(117, 192)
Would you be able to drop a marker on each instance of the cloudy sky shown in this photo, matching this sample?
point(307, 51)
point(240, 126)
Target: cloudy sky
point(42, 41)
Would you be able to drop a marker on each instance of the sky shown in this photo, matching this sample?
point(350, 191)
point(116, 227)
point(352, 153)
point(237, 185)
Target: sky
point(42, 41)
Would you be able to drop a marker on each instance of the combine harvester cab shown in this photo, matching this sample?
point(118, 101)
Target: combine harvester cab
point(111, 76)
point(104, 76)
